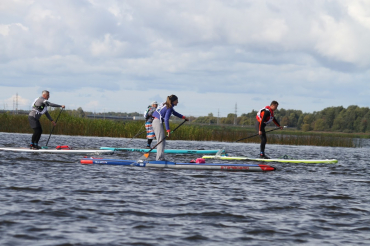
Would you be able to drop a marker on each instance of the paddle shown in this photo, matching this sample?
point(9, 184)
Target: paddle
point(257, 134)
point(134, 137)
point(218, 154)
point(146, 155)
point(46, 145)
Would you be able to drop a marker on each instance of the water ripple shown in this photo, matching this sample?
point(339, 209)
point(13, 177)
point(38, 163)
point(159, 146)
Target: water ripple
point(54, 200)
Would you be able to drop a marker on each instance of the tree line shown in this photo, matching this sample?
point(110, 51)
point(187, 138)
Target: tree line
point(336, 119)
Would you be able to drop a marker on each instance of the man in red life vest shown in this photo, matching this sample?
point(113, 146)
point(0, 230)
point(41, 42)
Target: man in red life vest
point(265, 116)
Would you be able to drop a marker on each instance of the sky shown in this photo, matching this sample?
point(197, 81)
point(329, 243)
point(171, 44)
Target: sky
point(217, 56)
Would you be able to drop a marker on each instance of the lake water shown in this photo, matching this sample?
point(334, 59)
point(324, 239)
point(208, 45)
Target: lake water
point(51, 199)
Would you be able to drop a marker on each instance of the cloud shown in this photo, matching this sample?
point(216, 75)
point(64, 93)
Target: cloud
point(11, 102)
point(6, 29)
point(311, 49)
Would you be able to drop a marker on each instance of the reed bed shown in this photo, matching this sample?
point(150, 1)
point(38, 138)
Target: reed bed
point(310, 140)
point(203, 134)
point(69, 125)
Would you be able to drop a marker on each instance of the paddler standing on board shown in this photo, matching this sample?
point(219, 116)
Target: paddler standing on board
point(39, 107)
point(149, 121)
point(265, 116)
point(163, 114)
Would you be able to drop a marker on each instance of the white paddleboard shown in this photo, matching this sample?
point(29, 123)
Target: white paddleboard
point(58, 151)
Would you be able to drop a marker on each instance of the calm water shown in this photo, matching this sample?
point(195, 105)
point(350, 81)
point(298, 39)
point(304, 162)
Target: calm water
point(53, 200)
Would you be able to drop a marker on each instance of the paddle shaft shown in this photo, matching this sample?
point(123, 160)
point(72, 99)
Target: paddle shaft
point(255, 135)
point(147, 153)
point(53, 127)
point(134, 137)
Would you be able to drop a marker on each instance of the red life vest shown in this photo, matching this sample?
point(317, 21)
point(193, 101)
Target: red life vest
point(260, 114)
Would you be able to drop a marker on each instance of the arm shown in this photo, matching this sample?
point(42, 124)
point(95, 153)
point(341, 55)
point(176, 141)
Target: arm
point(259, 126)
point(167, 118)
point(147, 114)
point(47, 103)
point(48, 115)
point(276, 122)
point(177, 114)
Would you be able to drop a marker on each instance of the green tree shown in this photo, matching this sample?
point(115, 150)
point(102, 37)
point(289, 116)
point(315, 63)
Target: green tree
point(229, 119)
point(338, 123)
point(293, 119)
point(306, 127)
point(80, 112)
point(308, 119)
point(284, 121)
point(300, 121)
point(319, 125)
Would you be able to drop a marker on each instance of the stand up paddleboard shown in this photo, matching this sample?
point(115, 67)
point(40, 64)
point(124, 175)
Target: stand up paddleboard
point(168, 164)
point(169, 151)
point(58, 151)
point(242, 158)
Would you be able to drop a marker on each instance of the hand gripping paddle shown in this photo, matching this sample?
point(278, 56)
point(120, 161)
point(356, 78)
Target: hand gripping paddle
point(146, 155)
point(46, 145)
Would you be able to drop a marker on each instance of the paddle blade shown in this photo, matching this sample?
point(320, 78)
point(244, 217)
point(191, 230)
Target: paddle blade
point(146, 155)
point(44, 147)
point(221, 151)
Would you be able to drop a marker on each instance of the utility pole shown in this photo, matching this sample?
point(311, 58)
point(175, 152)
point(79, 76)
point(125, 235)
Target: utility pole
point(236, 110)
point(218, 117)
point(16, 103)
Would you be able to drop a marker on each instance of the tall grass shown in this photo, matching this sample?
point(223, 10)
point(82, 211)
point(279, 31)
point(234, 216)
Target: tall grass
point(204, 134)
point(70, 125)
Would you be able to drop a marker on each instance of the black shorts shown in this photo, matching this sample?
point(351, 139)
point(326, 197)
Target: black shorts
point(33, 122)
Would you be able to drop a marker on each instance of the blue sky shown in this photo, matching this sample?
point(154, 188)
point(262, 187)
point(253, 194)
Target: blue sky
point(121, 55)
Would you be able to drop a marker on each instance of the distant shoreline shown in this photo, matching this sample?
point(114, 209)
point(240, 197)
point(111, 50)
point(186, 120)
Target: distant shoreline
point(78, 126)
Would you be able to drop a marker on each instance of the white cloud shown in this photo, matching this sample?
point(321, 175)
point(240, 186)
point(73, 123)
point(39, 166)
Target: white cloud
point(108, 47)
point(11, 103)
point(273, 31)
point(311, 49)
point(5, 30)
point(338, 41)
point(92, 105)
point(360, 11)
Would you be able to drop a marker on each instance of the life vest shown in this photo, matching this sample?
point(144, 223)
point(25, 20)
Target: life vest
point(146, 113)
point(39, 109)
point(160, 108)
point(260, 114)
